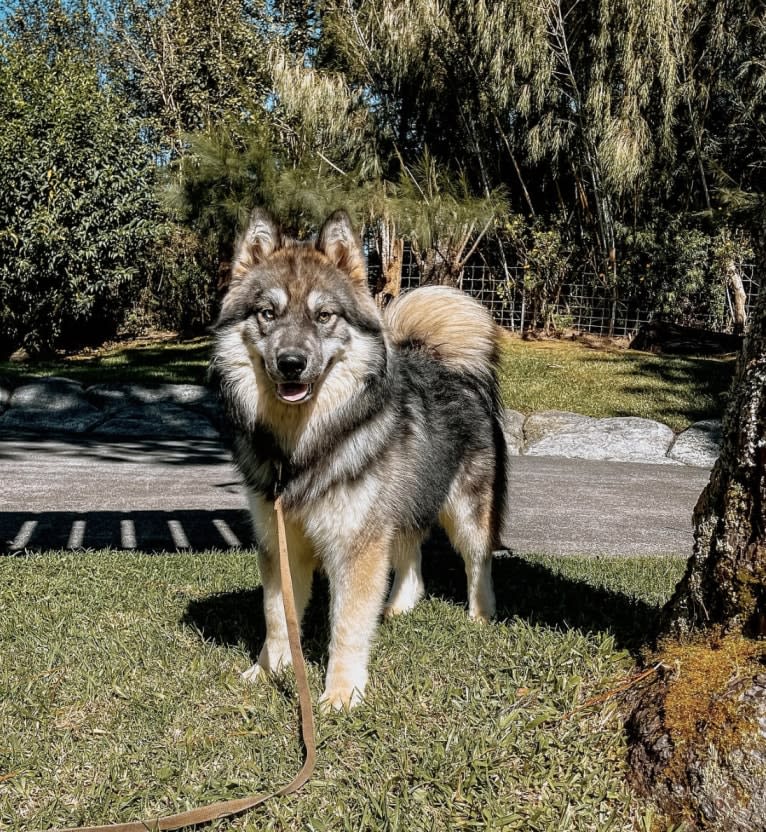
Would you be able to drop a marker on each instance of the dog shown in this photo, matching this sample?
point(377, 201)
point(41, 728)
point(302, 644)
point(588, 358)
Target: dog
point(372, 425)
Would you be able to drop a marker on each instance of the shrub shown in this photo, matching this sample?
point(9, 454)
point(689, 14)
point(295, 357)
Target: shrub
point(77, 210)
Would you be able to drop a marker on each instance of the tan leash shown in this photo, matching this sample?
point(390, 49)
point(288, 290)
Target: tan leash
point(229, 808)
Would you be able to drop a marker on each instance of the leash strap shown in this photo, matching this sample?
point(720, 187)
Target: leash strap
point(229, 808)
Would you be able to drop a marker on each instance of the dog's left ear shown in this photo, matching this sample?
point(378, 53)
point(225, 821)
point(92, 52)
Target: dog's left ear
point(338, 242)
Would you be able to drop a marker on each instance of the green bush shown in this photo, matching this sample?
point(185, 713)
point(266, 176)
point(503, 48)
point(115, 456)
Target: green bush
point(77, 205)
point(181, 294)
point(677, 266)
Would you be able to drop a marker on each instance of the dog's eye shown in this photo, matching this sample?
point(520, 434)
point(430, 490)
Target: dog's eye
point(324, 317)
point(266, 314)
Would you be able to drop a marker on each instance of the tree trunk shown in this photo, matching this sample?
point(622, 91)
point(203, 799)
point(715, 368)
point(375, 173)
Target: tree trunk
point(435, 268)
point(698, 730)
point(391, 251)
point(739, 296)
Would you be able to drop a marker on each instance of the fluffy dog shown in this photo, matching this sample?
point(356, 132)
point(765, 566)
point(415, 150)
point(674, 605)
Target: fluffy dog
point(372, 426)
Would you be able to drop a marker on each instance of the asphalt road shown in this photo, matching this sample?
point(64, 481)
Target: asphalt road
point(164, 496)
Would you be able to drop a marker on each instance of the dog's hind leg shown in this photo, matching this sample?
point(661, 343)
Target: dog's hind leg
point(407, 588)
point(467, 519)
point(275, 653)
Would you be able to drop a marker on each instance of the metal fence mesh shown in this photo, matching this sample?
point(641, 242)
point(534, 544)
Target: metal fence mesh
point(583, 304)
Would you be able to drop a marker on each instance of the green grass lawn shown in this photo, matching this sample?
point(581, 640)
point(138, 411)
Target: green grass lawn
point(120, 698)
point(154, 361)
point(536, 375)
point(566, 375)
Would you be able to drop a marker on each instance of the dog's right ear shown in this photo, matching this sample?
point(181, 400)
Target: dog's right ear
point(261, 239)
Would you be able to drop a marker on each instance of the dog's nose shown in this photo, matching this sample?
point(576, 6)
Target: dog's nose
point(291, 364)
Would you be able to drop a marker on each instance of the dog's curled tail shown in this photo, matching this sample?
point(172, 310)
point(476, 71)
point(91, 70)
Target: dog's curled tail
point(450, 325)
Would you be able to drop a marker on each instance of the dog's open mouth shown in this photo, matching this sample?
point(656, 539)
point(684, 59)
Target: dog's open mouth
point(293, 392)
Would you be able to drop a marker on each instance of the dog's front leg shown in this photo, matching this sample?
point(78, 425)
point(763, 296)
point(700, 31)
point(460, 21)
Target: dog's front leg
point(358, 580)
point(275, 653)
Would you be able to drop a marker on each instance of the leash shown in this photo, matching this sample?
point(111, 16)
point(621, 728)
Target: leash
point(229, 808)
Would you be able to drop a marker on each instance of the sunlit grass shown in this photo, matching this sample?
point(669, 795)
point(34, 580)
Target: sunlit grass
point(120, 697)
point(566, 375)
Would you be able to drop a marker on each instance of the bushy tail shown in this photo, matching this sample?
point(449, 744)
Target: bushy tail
point(453, 327)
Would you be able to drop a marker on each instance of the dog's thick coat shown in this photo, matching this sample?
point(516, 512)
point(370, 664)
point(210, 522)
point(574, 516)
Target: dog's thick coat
point(373, 427)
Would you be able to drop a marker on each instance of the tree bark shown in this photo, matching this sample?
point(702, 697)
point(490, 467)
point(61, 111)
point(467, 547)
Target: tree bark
point(739, 296)
point(698, 730)
point(391, 251)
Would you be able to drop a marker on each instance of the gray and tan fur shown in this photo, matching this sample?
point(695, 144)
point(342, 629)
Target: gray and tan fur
point(381, 425)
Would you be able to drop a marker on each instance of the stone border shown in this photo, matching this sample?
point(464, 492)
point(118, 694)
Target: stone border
point(59, 405)
point(616, 439)
point(190, 411)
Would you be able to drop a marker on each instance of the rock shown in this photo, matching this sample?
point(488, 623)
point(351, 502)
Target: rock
point(113, 397)
point(5, 395)
point(699, 444)
point(50, 404)
point(620, 439)
point(156, 420)
point(55, 394)
point(513, 428)
point(550, 422)
point(109, 396)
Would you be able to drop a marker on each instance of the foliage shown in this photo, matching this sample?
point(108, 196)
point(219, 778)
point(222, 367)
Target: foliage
point(188, 65)
point(623, 134)
point(545, 255)
point(678, 268)
point(444, 221)
point(180, 294)
point(77, 214)
point(213, 187)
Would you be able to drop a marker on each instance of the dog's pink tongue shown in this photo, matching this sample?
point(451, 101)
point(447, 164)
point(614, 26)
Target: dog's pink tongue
point(293, 392)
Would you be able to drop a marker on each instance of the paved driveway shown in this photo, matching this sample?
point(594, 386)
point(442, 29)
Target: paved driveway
point(168, 495)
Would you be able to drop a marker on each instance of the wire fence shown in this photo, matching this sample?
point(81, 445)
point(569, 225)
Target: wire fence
point(584, 304)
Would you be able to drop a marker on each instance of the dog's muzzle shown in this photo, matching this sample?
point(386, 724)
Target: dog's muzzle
point(291, 366)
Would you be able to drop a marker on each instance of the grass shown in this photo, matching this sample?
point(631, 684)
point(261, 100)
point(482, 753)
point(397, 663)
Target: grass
point(536, 375)
point(566, 375)
point(155, 360)
point(120, 697)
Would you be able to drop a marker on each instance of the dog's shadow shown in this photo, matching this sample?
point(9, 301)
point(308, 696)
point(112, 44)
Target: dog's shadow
point(544, 597)
point(524, 589)
point(236, 619)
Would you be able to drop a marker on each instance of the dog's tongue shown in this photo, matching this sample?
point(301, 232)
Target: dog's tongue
point(293, 392)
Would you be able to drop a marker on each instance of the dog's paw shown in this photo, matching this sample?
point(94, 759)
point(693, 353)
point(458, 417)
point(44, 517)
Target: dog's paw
point(482, 609)
point(340, 699)
point(392, 610)
point(252, 674)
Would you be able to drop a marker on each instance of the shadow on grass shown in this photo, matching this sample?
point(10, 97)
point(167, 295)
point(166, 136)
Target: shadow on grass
point(702, 383)
point(524, 589)
point(236, 619)
point(180, 362)
point(543, 597)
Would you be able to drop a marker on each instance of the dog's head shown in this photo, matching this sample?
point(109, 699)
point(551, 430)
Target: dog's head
point(296, 304)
